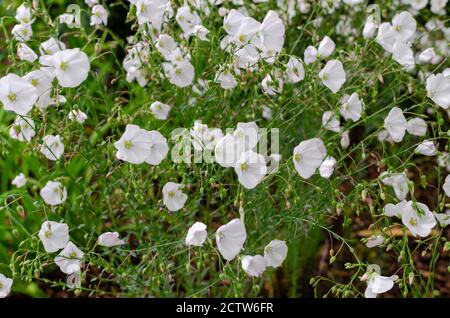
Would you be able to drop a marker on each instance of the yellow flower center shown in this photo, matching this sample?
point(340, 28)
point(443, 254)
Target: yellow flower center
point(128, 144)
point(171, 194)
point(244, 166)
point(12, 97)
point(297, 157)
point(178, 71)
point(63, 66)
point(413, 221)
point(48, 234)
point(34, 82)
point(73, 255)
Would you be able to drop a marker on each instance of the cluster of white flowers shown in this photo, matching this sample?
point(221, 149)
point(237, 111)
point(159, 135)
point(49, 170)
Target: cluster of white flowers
point(253, 50)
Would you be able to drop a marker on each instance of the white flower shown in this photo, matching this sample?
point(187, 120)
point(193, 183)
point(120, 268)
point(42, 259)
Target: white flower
point(352, 107)
point(427, 148)
point(333, 75)
point(428, 56)
point(173, 198)
point(438, 89)
point(275, 252)
point(254, 265)
point(74, 280)
point(139, 145)
point(201, 32)
point(310, 55)
point(387, 37)
point(370, 27)
point(77, 115)
point(404, 25)
point(71, 67)
point(54, 236)
point(443, 218)
point(5, 285)
point(398, 181)
point(24, 14)
point(326, 47)
point(403, 54)
point(251, 169)
point(272, 85)
point(110, 239)
point(17, 94)
point(345, 140)
point(230, 238)
point(22, 32)
point(226, 151)
point(23, 129)
point(187, 19)
point(396, 124)
point(52, 147)
point(70, 259)
point(25, 53)
point(438, 6)
point(417, 126)
point(160, 110)
point(267, 113)
point(53, 193)
point(69, 19)
point(330, 122)
point(43, 83)
point(196, 235)
point(166, 45)
point(418, 219)
point(271, 32)
point(418, 4)
point(51, 46)
point(294, 70)
point(19, 181)
point(395, 209)
point(446, 186)
point(375, 240)
point(99, 15)
point(377, 284)
point(226, 80)
point(180, 74)
point(91, 3)
point(326, 169)
point(247, 135)
point(308, 156)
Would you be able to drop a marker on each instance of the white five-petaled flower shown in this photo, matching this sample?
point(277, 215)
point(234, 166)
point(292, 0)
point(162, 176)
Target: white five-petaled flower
point(418, 218)
point(52, 147)
point(54, 236)
point(99, 15)
point(398, 181)
point(275, 252)
point(23, 129)
point(254, 265)
point(331, 122)
point(308, 156)
point(70, 259)
point(251, 169)
point(230, 238)
point(326, 47)
point(427, 148)
point(375, 240)
point(160, 110)
point(352, 107)
point(138, 145)
point(17, 94)
point(110, 239)
point(295, 71)
point(326, 169)
point(53, 193)
point(333, 75)
point(196, 235)
point(20, 180)
point(5, 285)
point(396, 124)
point(377, 284)
point(78, 116)
point(25, 53)
point(174, 199)
point(71, 67)
point(438, 89)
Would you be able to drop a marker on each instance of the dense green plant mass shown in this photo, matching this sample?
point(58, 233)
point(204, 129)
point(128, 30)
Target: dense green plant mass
point(319, 217)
